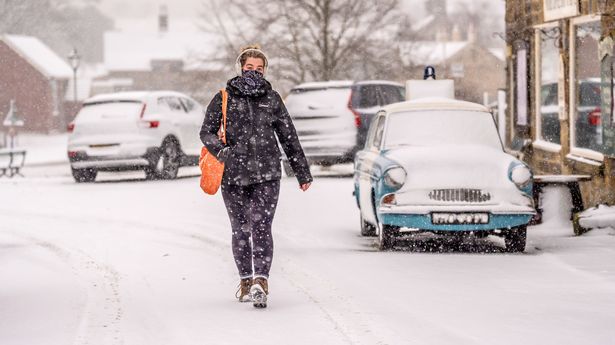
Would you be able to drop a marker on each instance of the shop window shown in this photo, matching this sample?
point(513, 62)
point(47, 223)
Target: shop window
point(586, 121)
point(548, 76)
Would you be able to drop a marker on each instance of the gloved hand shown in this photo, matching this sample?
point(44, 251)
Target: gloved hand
point(224, 154)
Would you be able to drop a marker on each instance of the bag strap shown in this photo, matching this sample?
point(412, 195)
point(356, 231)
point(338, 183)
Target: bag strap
point(224, 106)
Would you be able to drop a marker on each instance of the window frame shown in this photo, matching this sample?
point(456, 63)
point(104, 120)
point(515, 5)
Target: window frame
point(574, 150)
point(539, 142)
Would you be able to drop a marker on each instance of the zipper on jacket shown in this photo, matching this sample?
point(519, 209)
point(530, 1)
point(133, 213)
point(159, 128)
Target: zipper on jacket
point(252, 125)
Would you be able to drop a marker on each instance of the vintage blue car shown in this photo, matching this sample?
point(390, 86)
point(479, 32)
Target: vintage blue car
point(437, 165)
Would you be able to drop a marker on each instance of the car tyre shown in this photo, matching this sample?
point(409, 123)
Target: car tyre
point(515, 239)
point(84, 175)
point(386, 236)
point(167, 165)
point(367, 229)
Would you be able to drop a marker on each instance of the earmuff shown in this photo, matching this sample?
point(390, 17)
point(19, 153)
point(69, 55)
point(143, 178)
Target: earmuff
point(238, 61)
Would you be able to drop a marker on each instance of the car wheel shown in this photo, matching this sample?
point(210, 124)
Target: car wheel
point(367, 229)
point(386, 236)
point(515, 239)
point(167, 164)
point(288, 170)
point(84, 175)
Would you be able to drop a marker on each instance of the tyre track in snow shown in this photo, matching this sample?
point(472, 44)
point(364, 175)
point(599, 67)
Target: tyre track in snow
point(354, 326)
point(326, 296)
point(102, 312)
point(101, 285)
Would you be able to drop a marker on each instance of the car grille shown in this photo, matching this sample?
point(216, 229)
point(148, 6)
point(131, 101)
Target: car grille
point(459, 195)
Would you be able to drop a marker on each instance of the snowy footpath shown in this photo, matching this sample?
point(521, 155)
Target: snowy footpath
point(128, 261)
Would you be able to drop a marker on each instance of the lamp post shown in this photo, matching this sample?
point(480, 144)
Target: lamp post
point(12, 121)
point(74, 58)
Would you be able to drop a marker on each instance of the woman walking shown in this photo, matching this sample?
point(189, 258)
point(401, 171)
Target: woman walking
point(251, 181)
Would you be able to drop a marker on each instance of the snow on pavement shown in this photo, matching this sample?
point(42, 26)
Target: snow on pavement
point(138, 262)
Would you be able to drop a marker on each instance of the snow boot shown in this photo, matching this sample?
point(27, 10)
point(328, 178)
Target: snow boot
point(243, 292)
point(259, 292)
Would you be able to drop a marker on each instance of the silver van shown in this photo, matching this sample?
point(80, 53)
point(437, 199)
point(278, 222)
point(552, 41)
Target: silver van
point(332, 117)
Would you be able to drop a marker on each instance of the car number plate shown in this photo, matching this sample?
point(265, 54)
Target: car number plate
point(460, 218)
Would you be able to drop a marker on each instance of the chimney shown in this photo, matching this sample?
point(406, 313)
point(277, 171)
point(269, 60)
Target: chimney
point(472, 35)
point(163, 19)
point(456, 34)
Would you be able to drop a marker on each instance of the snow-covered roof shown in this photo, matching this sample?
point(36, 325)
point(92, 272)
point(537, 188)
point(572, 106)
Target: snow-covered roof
point(39, 55)
point(131, 96)
point(435, 104)
point(423, 23)
point(343, 83)
point(498, 53)
point(325, 84)
point(378, 82)
point(430, 52)
point(134, 51)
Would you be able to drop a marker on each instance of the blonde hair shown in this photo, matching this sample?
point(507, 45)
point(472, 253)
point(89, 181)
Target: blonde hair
point(252, 51)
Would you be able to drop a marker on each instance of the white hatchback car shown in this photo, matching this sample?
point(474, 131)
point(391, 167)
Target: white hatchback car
point(154, 131)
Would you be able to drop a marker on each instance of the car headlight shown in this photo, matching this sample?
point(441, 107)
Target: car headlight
point(395, 177)
point(521, 175)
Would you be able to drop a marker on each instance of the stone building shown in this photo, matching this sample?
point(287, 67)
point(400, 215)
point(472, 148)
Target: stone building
point(478, 72)
point(560, 89)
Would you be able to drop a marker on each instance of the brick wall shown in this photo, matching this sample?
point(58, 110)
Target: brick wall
point(31, 90)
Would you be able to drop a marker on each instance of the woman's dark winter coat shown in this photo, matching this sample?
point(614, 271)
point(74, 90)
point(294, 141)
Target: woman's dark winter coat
point(254, 118)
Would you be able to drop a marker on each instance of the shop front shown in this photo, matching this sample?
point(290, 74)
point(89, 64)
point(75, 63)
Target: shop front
point(561, 76)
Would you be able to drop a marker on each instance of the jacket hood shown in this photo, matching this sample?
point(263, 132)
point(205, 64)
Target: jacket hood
point(236, 86)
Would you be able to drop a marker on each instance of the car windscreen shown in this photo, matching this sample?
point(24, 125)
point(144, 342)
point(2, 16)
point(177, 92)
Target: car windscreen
point(317, 99)
point(110, 109)
point(440, 128)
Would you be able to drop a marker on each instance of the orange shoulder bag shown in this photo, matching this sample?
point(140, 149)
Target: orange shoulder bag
point(211, 168)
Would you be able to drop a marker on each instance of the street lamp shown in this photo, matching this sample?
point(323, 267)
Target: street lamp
point(74, 58)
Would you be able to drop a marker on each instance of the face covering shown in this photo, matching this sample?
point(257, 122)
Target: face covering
point(252, 77)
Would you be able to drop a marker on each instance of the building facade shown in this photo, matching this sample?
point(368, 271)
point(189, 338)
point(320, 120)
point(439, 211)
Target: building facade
point(560, 62)
point(36, 79)
point(478, 72)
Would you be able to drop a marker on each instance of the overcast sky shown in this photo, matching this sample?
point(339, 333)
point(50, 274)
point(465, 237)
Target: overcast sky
point(141, 14)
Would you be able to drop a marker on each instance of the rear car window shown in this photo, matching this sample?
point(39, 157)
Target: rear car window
point(171, 103)
point(366, 97)
point(115, 109)
point(314, 99)
point(188, 104)
point(392, 94)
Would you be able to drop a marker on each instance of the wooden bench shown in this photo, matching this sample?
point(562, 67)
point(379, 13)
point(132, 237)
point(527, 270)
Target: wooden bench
point(569, 181)
point(11, 162)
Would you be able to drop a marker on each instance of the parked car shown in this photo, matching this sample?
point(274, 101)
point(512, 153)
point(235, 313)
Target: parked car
point(437, 165)
point(332, 118)
point(154, 131)
point(588, 122)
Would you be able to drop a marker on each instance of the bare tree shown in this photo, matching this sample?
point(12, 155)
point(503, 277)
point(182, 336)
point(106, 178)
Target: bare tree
point(311, 39)
point(62, 24)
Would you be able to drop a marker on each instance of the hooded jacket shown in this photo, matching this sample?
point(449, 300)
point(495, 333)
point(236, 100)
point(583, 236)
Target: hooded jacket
point(253, 120)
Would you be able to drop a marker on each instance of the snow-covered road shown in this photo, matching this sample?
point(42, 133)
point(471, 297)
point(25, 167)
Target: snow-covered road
point(128, 261)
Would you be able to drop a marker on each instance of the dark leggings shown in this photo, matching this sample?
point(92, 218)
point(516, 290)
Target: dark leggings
point(251, 209)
